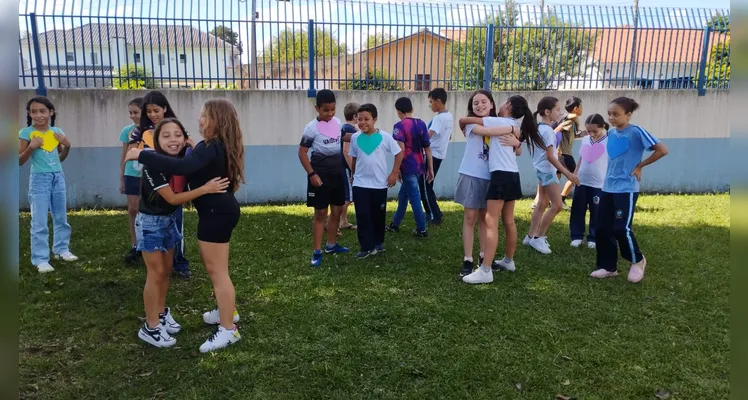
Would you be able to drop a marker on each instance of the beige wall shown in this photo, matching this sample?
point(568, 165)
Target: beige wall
point(420, 54)
point(93, 118)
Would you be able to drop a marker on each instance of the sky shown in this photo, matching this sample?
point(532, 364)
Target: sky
point(353, 21)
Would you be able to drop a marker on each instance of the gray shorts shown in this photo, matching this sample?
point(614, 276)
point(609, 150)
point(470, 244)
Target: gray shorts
point(471, 192)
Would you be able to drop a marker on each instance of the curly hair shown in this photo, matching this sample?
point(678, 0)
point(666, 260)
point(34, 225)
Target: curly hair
point(223, 125)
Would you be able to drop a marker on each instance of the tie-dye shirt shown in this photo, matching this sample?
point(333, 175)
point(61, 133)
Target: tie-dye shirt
point(414, 134)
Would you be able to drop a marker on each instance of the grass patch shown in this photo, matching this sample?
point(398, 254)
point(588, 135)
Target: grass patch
point(398, 325)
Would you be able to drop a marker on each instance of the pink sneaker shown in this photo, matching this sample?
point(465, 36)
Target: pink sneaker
point(603, 273)
point(636, 273)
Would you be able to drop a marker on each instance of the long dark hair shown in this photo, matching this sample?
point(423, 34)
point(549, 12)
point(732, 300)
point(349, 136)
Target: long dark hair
point(491, 113)
point(157, 98)
point(157, 132)
point(529, 127)
point(46, 103)
point(545, 104)
point(597, 119)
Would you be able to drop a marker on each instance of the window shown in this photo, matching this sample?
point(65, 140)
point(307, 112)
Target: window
point(70, 57)
point(136, 56)
point(423, 82)
point(183, 58)
point(94, 58)
point(162, 59)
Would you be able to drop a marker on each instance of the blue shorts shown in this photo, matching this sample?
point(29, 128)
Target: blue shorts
point(156, 233)
point(546, 178)
point(132, 185)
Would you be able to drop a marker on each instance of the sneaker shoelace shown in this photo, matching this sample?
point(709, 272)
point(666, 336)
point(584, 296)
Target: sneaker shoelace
point(214, 335)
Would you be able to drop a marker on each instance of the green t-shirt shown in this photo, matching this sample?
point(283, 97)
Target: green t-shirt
point(124, 137)
point(42, 160)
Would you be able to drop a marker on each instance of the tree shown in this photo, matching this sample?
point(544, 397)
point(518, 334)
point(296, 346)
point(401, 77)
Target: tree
point(132, 77)
point(378, 39)
point(294, 45)
point(525, 57)
point(718, 66)
point(377, 79)
point(226, 34)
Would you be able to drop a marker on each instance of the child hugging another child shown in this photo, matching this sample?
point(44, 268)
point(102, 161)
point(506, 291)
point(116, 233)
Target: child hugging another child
point(157, 233)
point(412, 136)
point(47, 147)
point(626, 146)
point(593, 162)
point(369, 149)
point(326, 183)
point(546, 164)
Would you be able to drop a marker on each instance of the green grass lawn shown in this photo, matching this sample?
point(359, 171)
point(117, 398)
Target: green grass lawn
point(398, 325)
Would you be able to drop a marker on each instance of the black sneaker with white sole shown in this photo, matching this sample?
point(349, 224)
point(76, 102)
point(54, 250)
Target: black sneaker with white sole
point(420, 234)
point(157, 336)
point(467, 268)
point(392, 228)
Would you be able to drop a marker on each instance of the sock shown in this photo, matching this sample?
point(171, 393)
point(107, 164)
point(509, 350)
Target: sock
point(468, 259)
point(507, 260)
point(330, 246)
point(482, 255)
point(485, 269)
point(318, 251)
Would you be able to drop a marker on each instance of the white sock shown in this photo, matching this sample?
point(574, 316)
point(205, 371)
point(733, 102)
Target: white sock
point(485, 269)
point(468, 259)
point(482, 254)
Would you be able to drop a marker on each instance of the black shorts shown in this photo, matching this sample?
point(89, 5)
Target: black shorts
point(331, 193)
point(215, 224)
point(569, 162)
point(132, 185)
point(504, 186)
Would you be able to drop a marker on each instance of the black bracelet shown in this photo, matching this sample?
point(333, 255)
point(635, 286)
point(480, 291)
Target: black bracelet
point(311, 174)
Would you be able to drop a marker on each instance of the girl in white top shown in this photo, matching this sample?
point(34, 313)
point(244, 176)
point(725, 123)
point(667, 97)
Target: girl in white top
point(591, 169)
point(475, 176)
point(504, 187)
point(546, 164)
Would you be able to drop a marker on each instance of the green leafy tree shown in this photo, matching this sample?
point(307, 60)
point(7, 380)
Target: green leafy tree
point(718, 66)
point(132, 77)
point(226, 34)
point(373, 79)
point(528, 57)
point(294, 45)
point(378, 39)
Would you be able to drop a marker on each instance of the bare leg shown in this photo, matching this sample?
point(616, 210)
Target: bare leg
point(333, 224)
point(510, 229)
point(153, 285)
point(554, 194)
point(537, 213)
point(132, 210)
point(318, 229)
point(482, 229)
point(492, 233)
point(468, 231)
point(216, 259)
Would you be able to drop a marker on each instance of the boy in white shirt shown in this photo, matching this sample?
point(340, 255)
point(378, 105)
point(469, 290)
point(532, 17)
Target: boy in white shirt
point(440, 130)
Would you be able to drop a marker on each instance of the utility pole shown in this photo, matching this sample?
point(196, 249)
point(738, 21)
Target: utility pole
point(253, 40)
point(632, 62)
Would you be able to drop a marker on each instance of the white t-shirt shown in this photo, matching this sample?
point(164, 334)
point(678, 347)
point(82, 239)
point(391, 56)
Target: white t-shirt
point(501, 158)
point(475, 160)
point(371, 169)
point(592, 169)
point(442, 127)
point(539, 157)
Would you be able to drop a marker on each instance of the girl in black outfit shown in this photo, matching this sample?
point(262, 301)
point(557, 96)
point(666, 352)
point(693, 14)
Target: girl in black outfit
point(221, 154)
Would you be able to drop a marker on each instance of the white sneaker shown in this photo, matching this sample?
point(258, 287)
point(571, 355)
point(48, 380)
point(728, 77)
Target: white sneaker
point(213, 318)
point(526, 240)
point(66, 256)
point(541, 245)
point(43, 268)
point(479, 276)
point(158, 336)
point(506, 266)
point(221, 338)
point(576, 243)
point(168, 322)
point(591, 245)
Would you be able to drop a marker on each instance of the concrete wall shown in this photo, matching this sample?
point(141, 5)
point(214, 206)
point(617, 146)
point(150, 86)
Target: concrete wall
point(696, 129)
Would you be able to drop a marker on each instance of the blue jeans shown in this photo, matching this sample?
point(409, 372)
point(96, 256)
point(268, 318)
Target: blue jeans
point(180, 262)
point(409, 191)
point(47, 194)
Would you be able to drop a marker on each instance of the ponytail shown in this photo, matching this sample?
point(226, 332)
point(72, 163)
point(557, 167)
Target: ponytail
point(529, 127)
point(597, 119)
point(628, 104)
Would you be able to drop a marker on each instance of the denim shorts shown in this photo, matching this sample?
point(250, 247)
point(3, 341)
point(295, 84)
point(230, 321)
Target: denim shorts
point(156, 233)
point(546, 178)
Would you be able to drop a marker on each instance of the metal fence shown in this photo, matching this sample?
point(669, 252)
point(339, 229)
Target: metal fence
point(369, 45)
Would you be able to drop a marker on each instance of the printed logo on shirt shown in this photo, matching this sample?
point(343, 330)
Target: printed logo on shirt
point(311, 194)
point(619, 214)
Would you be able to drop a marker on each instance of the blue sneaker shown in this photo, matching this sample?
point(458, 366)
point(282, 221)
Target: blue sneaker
point(378, 249)
point(336, 249)
point(363, 254)
point(316, 258)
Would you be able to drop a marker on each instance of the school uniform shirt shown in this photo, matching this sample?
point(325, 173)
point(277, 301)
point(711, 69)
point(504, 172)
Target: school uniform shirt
point(371, 169)
point(594, 161)
point(475, 160)
point(346, 129)
point(327, 155)
point(151, 202)
point(42, 160)
point(501, 158)
point(539, 157)
point(625, 150)
point(442, 127)
point(414, 135)
point(124, 137)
